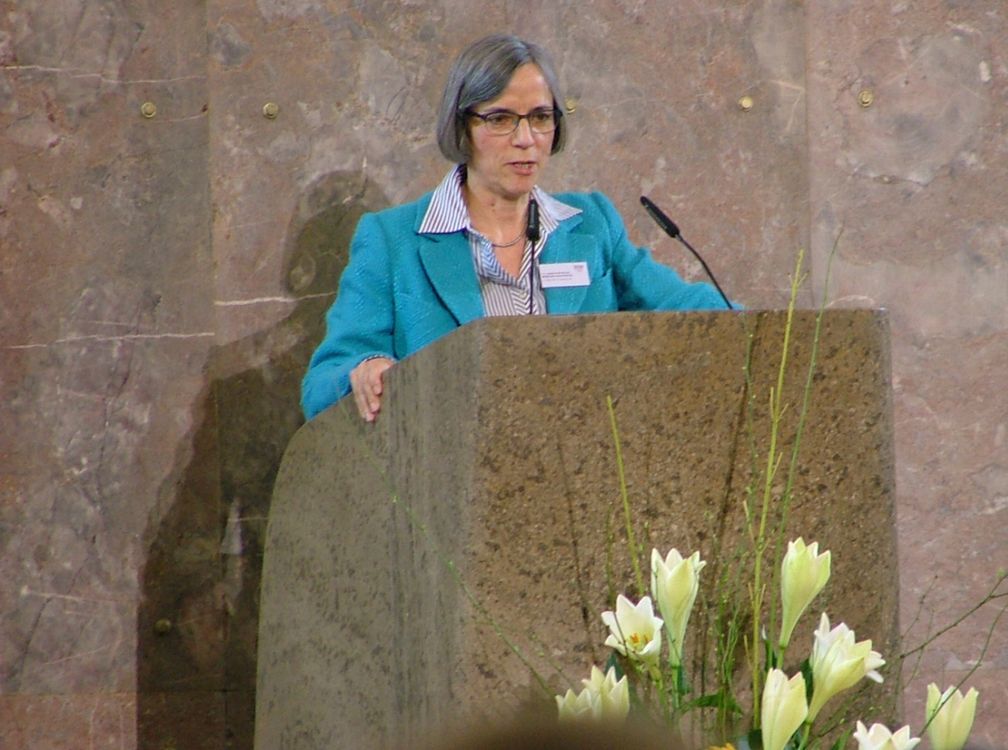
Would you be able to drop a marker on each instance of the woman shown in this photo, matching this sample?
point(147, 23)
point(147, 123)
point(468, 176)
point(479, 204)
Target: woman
point(487, 241)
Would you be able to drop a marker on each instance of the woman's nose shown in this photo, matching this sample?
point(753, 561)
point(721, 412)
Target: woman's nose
point(523, 135)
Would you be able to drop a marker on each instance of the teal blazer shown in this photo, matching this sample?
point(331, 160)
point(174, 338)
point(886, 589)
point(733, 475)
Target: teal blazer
point(402, 290)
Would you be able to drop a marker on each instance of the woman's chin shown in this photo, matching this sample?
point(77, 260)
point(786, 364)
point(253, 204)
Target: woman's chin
point(521, 184)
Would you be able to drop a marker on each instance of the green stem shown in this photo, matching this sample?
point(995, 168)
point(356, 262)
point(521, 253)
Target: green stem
point(809, 377)
point(631, 539)
point(807, 729)
point(663, 698)
point(772, 465)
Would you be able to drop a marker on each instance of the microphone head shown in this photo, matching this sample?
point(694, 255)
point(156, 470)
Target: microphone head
point(660, 218)
point(532, 225)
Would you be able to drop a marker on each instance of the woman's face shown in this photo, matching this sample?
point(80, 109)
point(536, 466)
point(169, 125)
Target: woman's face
point(507, 166)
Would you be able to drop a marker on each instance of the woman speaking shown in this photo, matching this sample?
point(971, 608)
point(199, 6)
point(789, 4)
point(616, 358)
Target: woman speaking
point(487, 241)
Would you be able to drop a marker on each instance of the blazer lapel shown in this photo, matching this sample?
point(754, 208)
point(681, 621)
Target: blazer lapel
point(447, 260)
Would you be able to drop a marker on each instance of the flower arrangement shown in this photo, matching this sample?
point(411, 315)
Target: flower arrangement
point(647, 674)
point(788, 706)
point(646, 671)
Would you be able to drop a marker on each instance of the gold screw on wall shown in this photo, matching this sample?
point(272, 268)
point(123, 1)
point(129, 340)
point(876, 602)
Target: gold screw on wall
point(746, 103)
point(163, 626)
point(148, 109)
point(865, 97)
point(270, 110)
point(570, 105)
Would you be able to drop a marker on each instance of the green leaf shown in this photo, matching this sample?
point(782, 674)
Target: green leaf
point(721, 699)
point(806, 670)
point(614, 662)
point(711, 700)
point(682, 686)
point(842, 740)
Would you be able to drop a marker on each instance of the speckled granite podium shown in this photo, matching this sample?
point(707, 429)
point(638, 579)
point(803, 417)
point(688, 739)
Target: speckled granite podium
point(450, 562)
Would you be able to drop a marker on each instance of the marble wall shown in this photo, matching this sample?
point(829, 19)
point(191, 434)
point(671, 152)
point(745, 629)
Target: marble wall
point(912, 181)
point(163, 275)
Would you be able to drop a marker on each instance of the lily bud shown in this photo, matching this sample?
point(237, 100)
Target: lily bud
point(573, 706)
point(634, 631)
point(952, 715)
point(839, 663)
point(783, 708)
point(674, 584)
point(880, 738)
point(613, 695)
point(804, 573)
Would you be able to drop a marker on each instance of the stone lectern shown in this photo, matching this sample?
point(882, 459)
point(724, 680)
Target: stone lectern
point(450, 562)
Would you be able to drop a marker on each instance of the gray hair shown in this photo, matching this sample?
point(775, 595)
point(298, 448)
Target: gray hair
point(480, 73)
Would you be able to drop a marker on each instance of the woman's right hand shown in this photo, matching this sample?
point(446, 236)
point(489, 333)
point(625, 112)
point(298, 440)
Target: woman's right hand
point(366, 382)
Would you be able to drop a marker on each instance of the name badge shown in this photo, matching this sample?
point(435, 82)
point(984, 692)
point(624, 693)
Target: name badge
point(563, 274)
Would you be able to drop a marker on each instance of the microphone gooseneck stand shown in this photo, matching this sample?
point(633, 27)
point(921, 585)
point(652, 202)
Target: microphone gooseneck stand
point(670, 228)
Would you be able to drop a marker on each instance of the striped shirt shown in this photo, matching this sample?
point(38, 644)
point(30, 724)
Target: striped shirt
point(502, 293)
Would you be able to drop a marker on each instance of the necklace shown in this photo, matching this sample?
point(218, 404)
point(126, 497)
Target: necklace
point(512, 242)
point(524, 233)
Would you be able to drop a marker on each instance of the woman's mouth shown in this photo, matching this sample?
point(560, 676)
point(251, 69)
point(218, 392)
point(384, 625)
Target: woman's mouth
point(522, 167)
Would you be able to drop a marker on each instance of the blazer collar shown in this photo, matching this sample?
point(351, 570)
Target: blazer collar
point(447, 261)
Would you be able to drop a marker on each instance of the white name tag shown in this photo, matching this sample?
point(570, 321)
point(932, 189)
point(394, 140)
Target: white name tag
point(563, 274)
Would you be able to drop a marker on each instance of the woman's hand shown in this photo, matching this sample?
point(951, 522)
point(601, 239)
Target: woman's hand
point(366, 382)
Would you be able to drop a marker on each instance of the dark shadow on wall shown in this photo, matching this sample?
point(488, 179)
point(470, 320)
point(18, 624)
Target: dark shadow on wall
point(199, 612)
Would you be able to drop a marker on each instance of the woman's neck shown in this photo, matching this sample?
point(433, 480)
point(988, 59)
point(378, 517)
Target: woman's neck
point(495, 216)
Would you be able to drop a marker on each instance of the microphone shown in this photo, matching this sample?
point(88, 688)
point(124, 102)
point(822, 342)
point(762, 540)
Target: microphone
point(532, 227)
point(670, 228)
point(532, 234)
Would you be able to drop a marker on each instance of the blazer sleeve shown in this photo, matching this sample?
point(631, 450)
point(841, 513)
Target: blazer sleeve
point(641, 282)
point(359, 323)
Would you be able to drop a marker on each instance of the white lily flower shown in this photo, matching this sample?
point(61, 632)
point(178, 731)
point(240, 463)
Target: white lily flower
point(880, 738)
point(950, 728)
point(634, 631)
point(804, 573)
point(839, 663)
point(613, 703)
point(674, 583)
point(782, 709)
point(576, 706)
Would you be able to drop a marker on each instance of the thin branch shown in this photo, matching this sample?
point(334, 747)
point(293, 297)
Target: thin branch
point(974, 668)
point(991, 595)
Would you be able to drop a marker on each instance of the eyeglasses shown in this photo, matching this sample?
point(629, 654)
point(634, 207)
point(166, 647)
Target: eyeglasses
point(505, 122)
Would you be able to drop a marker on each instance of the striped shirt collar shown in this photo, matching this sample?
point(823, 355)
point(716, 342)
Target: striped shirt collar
point(448, 213)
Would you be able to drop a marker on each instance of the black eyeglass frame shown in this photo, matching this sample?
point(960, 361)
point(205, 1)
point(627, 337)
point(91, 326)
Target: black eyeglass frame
point(485, 117)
